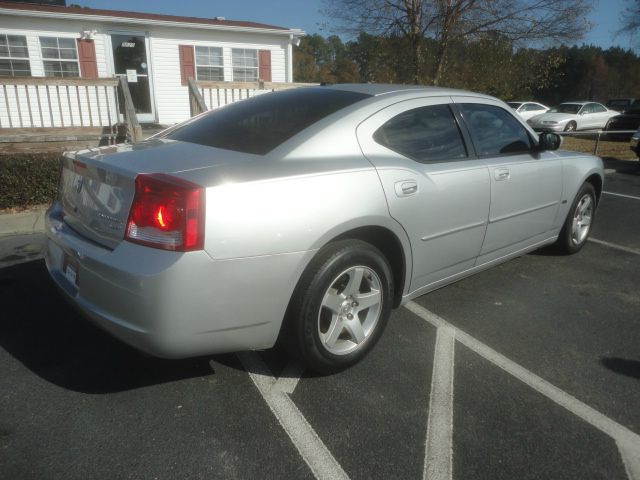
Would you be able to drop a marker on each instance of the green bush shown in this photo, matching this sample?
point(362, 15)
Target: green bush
point(28, 179)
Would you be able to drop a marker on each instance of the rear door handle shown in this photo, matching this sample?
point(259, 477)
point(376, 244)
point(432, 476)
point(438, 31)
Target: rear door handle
point(501, 174)
point(406, 188)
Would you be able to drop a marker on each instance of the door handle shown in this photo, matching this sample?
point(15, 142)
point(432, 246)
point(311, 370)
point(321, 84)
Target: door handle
point(406, 188)
point(501, 174)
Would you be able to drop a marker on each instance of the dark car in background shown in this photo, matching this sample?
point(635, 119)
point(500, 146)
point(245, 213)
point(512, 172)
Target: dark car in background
point(620, 104)
point(627, 121)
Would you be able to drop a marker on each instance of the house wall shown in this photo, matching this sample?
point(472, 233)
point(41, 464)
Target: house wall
point(170, 98)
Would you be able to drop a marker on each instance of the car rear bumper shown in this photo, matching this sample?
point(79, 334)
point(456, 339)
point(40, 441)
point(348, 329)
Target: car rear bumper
point(173, 304)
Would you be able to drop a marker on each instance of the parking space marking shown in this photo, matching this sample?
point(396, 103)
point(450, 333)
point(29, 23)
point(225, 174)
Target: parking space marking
point(631, 460)
point(621, 195)
point(438, 457)
point(628, 442)
point(275, 393)
point(616, 246)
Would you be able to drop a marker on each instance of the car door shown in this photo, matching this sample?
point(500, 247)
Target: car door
point(526, 185)
point(435, 187)
point(600, 115)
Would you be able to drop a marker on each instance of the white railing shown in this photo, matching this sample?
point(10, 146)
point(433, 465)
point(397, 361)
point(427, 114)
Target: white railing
point(45, 102)
point(219, 94)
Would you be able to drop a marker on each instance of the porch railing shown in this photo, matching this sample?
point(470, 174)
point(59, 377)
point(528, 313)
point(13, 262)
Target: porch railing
point(207, 95)
point(49, 102)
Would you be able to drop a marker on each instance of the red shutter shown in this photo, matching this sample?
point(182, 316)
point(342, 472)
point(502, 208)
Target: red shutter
point(264, 61)
point(87, 57)
point(187, 63)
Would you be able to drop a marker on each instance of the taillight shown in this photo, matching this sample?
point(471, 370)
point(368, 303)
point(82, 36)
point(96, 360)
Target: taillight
point(167, 213)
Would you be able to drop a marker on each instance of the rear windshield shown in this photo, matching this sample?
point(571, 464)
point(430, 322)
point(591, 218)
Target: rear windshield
point(260, 124)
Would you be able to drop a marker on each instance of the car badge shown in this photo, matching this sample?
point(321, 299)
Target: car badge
point(79, 183)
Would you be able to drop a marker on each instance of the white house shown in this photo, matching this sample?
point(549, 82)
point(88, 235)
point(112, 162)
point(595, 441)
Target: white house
point(156, 53)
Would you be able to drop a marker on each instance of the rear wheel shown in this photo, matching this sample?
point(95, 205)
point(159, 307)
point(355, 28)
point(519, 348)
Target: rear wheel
point(577, 225)
point(341, 306)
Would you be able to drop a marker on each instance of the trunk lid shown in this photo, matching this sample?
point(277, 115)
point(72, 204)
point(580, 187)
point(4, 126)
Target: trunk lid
point(97, 186)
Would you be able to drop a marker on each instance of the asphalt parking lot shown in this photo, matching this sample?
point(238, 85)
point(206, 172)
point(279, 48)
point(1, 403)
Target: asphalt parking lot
point(530, 370)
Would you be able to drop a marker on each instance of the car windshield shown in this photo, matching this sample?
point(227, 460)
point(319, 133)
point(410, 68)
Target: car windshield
point(514, 105)
point(617, 103)
point(260, 124)
point(566, 108)
point(635, 107)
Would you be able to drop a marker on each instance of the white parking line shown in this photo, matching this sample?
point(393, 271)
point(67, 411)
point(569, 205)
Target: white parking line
point(275, 393)
point(621, 195)
point(628, 442)
point(615, 246)
point(438, 456)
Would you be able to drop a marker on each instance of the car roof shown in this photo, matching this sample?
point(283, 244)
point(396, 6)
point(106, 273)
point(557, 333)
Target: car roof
point(377, 89)
point(578, 103)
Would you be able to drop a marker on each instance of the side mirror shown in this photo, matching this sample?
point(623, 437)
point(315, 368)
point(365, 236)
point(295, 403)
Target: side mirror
point(549, 141)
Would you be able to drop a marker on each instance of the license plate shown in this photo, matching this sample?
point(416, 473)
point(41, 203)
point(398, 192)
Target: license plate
point(70, 270)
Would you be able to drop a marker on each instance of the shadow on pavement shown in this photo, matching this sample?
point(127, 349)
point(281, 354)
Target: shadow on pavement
point(623, 366)
point(628, 167)
point(43, 332)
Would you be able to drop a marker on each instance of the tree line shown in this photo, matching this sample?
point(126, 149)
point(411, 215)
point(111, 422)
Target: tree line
point(489, 64)
point(506, 48)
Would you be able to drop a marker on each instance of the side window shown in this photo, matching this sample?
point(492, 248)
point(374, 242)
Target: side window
point(597, 108)
point(494, 130)
point(209, 63)
point(535, 107)
point(425, 134)
point(14, 56)
point(587, 109)
point(60, 57)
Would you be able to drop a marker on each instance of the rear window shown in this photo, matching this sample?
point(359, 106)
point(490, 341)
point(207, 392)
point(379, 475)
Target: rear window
point(260, 124)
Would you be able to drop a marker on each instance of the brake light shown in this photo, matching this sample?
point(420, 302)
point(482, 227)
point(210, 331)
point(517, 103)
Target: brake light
point(167, 213)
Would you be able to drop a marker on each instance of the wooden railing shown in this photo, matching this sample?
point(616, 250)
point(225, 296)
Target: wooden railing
point(50, 102)
point(206, 95)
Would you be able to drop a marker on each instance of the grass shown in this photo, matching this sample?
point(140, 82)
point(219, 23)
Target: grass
point(617, 150)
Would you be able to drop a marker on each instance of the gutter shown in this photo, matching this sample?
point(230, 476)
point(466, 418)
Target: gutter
point(295, 32)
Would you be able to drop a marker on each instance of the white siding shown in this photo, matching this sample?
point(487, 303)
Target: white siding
point(172, 99)
point(169, 97)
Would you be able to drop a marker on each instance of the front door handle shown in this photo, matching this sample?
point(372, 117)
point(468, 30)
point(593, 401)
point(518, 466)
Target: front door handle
point(501, 174)
point(406, 188)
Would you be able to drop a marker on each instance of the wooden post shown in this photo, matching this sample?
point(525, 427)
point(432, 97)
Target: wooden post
point(129, 112)
point(196, 102)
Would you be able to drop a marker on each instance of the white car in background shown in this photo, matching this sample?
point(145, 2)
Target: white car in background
point(572, 116)
point(526, 110)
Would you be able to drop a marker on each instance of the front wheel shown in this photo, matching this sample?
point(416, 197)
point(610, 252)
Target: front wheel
point(577, 225)
point(570, 127)
point(341, 306)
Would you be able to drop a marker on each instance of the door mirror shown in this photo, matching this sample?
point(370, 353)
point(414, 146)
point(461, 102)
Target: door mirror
point(549, 141)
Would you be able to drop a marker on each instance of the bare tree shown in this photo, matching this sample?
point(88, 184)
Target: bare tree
point(520, 21)
point(630, 20)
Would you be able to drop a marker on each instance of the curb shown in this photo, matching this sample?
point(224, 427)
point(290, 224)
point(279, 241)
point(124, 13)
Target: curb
point(22, 223)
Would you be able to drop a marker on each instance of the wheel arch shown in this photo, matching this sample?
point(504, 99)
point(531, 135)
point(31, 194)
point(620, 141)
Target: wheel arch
point(391, 247)
point(596, 180)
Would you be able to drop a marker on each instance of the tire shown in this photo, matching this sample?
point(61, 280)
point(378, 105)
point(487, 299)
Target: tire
point(340, 307)
point(570, 127)
point(577, 226)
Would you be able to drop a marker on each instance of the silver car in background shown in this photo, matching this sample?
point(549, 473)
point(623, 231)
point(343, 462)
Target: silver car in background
point(307, 215)
point(572, 116)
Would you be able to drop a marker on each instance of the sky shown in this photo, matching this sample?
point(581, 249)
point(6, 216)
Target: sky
point(307, 15)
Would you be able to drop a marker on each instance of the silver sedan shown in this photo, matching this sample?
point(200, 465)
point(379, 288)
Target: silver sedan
point(308, 215)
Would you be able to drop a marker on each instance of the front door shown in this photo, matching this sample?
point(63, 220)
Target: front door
point(526, 185)
point(131, 62)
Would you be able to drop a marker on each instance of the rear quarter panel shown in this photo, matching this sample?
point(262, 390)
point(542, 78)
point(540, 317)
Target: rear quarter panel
point(576, 169)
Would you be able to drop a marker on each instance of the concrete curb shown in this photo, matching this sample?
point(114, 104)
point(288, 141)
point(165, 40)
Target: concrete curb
point(23, 222)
